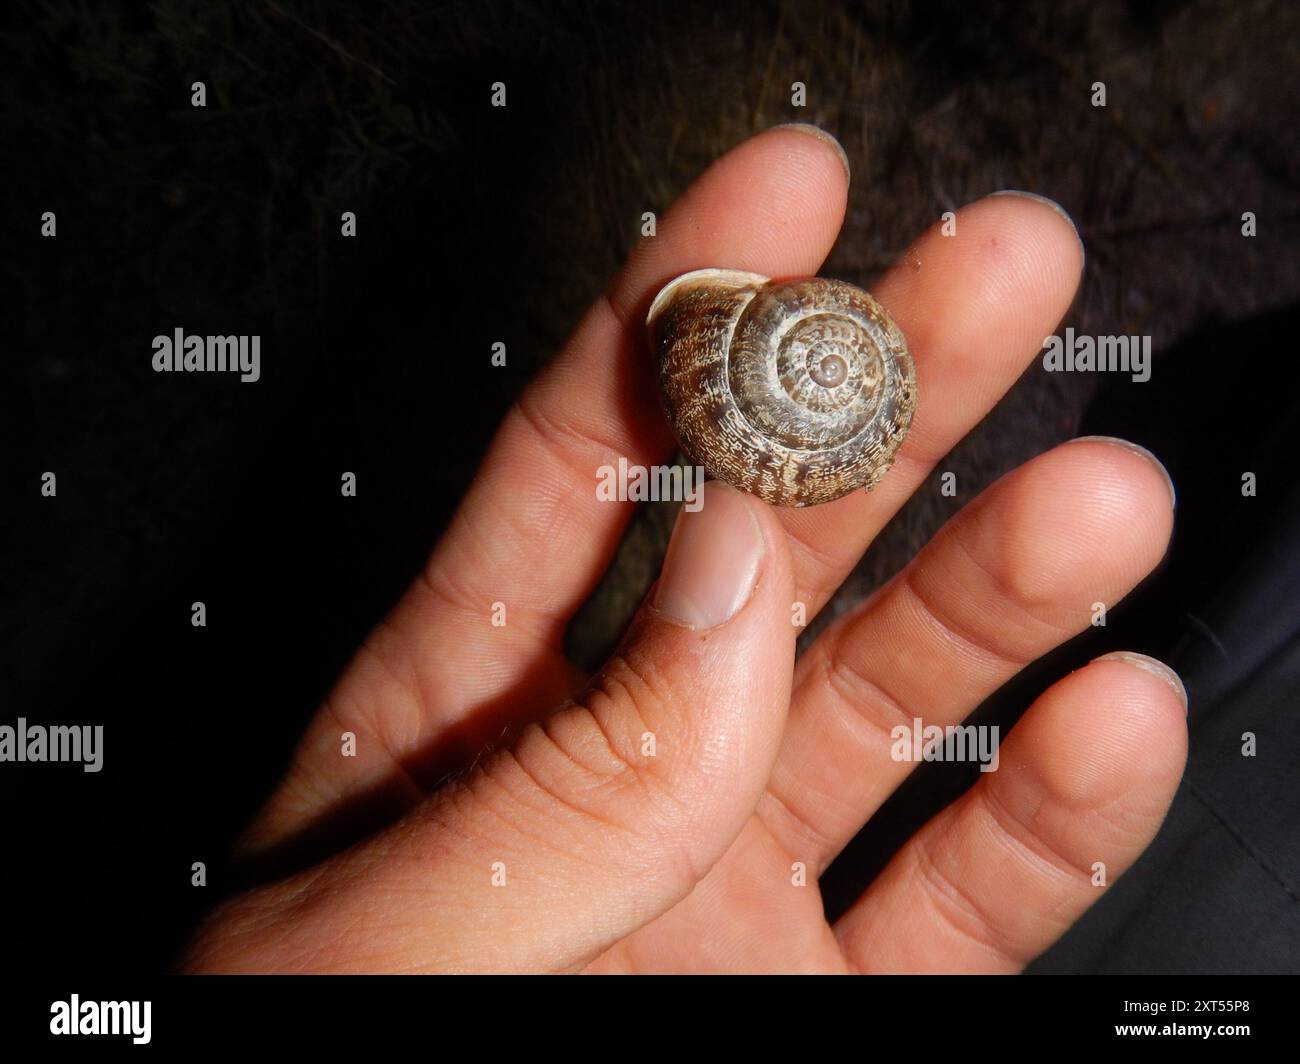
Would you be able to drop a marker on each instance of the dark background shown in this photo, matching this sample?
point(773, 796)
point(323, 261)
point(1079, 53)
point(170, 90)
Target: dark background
point(478, 224)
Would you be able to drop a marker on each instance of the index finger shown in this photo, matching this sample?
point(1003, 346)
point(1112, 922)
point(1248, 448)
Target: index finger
point(531, 533)
point(772, 205)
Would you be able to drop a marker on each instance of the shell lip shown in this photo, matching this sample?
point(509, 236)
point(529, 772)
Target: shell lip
point(694, 278)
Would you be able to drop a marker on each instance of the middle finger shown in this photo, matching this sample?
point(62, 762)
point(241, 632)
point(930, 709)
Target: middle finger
point(975, 307)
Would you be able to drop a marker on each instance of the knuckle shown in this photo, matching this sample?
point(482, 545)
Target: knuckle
point(971, 635)
point(1031, 844)
point(573, 446)
point(961, 911)
point(864, 696)
point(577, 781)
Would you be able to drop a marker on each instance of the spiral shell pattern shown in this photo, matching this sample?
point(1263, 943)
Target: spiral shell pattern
point(796, 391)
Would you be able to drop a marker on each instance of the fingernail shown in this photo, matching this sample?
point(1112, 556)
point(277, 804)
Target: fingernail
point(1128, 445)
point(1047, 203)
point(822, 135)
point(1151, 665)
point(713, 560)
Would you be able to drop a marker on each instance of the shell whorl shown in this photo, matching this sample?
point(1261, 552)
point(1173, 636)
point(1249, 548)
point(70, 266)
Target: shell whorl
point(796, 391)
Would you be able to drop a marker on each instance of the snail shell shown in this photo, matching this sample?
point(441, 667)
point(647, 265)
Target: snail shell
point(796, 391)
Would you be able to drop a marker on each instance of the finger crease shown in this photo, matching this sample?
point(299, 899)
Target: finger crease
point(578, 452)
point(866, 694)
point(949, 898)
point(1035, 849)
point(954, 632)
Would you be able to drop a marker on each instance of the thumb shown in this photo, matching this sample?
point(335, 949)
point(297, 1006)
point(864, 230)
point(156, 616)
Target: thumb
point(595, 820)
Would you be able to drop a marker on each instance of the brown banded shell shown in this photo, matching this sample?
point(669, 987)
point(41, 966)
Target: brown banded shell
point(796, 391)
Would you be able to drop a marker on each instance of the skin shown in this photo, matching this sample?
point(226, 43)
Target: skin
point(617, 862)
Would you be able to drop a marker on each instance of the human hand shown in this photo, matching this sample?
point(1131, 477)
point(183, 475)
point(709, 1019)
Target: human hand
point(568, 848)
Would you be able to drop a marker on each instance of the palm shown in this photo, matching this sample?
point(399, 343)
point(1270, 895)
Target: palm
point(743, 917)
